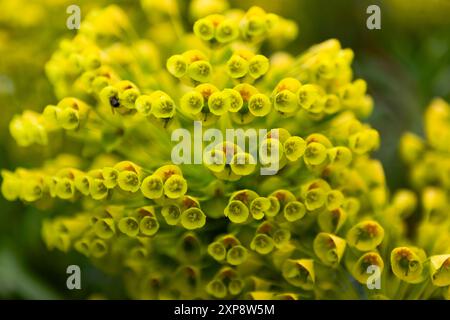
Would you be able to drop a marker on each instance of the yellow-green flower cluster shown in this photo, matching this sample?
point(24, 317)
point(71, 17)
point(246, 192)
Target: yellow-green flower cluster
point(165, 185)
point(320, 227)
point(428, 160)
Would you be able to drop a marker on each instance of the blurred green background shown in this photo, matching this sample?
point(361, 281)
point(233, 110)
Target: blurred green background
point(406, 64)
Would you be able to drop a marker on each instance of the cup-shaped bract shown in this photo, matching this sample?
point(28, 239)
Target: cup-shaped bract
point(258, 66)
point(236, 101)
point(217, 289)
point(129, 226)
point(262, 244)
point(128, 181)
point(315, 153)
point(193, 218)
point(237, 67)
point(177, 65)
point(407, 263)
point(204, 29)
point(219, 103)
point(152, 187)
point(340, 156)
point(334, 199)
point(65, 188)
point(259, 105)
point(237, 255)
point(365, 266)
point(294, 210)
point(274, 206)
point(175, 186)
point(98, 189)
point(200, 71)
point(143, 104)
point(285, 101)
point(329, 248)
point(315, 198)
point(171, 214)
point(281, 237)
point(308, 94)
point(162, 105)
point(243, 164)
point(192, 102)
point(259, 206)
point(299, 273)
point(365, 235)
point(98, 248)
point(236, 286)
point(331, 221)
point(294, 148)
point(237, 211)
point(440, 270)
point(217, 250)
point(148, 226)
point(227, 31)
point(105, 228)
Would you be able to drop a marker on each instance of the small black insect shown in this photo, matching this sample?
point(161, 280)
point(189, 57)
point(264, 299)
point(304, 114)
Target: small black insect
point(114, 102)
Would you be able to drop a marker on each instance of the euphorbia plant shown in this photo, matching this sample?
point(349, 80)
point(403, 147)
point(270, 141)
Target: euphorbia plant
point(317, 228)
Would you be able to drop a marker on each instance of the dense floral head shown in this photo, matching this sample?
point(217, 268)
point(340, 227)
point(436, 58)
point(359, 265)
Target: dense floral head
point(209, 165)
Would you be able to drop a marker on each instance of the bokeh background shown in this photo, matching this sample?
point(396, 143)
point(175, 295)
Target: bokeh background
point(406, 64)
